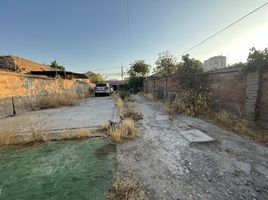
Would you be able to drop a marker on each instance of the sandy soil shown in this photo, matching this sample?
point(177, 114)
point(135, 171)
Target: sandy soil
point(171, 168)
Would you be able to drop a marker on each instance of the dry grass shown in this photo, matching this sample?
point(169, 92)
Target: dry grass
point(120, 106)
point(24, 131)
point(106, 126)
point(125, 130)
point(131, 113)
point(241, 127)
point(126, 189)
point(57, 100)
point(79, 134)
point(9, 130)
point(117, 134)
point(151, 96)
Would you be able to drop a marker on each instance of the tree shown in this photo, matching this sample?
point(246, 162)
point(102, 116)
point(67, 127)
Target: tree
point(189, 72)
point(139, 69)
point(137, 73)
point(95, 78)
point(257, 60)
point(166, 64)
point(55, 65)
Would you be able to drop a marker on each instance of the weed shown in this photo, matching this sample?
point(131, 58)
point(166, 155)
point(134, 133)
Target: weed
point(57, 100)
point(241, 127)
point(120, 106)
point(130, 129)
point(125, 130)
point(116, 134)
point(192, 102)
point(105, 126)
point(126, 189)
point(79, 134)
point(151, 96)
point(124, 95)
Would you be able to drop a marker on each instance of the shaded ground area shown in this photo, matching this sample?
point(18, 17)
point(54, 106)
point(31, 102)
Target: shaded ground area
point(57, 170)
point(171, 168)
point(91, 112)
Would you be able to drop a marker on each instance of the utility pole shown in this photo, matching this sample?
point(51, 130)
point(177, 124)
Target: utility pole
point(122, 73)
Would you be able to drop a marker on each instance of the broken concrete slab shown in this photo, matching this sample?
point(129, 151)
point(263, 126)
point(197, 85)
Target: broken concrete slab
point(196, 136)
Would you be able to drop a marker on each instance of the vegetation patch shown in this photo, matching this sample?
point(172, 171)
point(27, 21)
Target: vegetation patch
point(192, 102)
point(241, 127)
point(124, 130)
point(57, 100)
point(125, 188)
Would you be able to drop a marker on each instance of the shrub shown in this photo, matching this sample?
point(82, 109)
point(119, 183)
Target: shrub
point(124, 94)
point(194, 102)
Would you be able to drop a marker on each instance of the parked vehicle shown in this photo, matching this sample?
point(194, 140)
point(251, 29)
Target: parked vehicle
point(103, 88)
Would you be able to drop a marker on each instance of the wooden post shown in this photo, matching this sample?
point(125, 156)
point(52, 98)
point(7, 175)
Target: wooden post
point(13, 106)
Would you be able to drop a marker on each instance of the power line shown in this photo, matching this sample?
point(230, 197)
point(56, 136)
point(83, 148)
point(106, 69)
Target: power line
point(203, 41)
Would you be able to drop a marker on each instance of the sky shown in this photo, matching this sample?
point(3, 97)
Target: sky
point(102, 35)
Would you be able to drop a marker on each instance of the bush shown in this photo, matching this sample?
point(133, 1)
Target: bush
point(123, 87)
point(194, 102)
point(124, 94)
point(136, 84)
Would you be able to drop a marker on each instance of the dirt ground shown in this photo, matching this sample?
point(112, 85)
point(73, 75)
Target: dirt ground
point(171, 168)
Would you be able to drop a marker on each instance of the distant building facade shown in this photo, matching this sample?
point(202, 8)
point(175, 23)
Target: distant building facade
point(215, 62)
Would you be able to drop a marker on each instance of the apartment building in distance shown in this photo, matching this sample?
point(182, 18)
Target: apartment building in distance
point(216, 62)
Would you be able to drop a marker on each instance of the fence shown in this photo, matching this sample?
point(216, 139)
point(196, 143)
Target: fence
point(243, 94)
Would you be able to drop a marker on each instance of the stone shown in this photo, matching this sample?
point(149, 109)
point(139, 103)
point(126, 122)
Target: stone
point(196, 136)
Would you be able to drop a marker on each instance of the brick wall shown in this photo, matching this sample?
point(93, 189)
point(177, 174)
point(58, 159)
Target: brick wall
point(26, 88)
point(262, 107)
point(230, 87)
point(245, 95)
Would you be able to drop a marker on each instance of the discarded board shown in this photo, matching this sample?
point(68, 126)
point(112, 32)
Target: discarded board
point(196, 136)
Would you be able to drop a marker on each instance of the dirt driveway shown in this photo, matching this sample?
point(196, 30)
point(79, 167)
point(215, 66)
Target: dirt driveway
point(90, 112)
point(171, 168)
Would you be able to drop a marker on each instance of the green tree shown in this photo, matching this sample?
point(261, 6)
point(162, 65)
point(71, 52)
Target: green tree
point(257, 60)
point(139, 69)
point(95, 78)
point(56, 65)
point(189, 72)
point(166, 64)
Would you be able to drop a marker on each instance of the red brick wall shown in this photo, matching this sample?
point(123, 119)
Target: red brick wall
point(230, 88)
point(236, 92)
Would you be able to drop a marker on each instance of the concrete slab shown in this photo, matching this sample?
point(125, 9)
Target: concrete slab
point(89, 113)
point(162, 117)
point(196, 136)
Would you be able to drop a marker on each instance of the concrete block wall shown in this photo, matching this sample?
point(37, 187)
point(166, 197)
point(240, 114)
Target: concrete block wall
point(262, 105)
point(245, 95)
point(25, 89)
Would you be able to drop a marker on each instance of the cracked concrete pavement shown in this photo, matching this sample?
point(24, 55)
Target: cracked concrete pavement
point(90, 113)
point(170, 167)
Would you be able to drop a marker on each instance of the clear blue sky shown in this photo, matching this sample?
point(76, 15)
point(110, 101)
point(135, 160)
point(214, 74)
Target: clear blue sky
point(93, 34)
